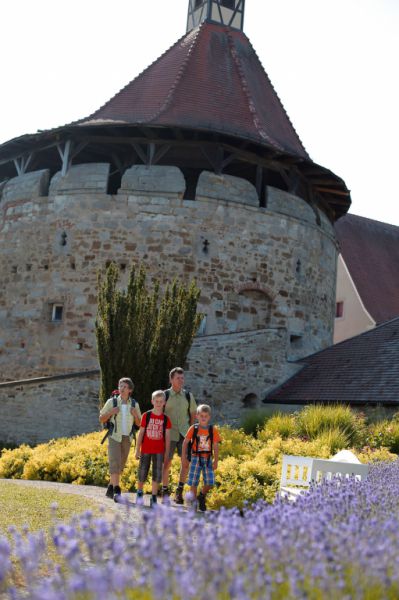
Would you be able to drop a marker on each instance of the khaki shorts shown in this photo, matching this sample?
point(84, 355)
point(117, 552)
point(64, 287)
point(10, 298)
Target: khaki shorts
point(118, 453)
point(176, 446)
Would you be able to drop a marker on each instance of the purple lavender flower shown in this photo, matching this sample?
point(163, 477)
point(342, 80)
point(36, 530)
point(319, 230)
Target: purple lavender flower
point(338, 541)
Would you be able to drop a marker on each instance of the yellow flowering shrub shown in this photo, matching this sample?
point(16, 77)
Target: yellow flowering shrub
point(12, 462)
point(249, 467)
point(370, 455)
point(283, 425)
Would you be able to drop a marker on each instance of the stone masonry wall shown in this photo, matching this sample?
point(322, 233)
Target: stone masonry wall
point(227, 370)
point(259, 269)
point(37, 411)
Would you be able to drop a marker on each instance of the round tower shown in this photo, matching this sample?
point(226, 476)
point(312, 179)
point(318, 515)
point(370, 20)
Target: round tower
point(195, 169)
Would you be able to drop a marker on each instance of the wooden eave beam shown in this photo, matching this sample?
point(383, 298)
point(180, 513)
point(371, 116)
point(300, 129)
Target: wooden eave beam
point(332, 191)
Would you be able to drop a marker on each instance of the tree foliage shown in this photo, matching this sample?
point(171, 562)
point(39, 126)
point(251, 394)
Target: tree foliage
point(141, 333)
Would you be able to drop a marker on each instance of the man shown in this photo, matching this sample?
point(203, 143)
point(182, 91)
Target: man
point(181, 409)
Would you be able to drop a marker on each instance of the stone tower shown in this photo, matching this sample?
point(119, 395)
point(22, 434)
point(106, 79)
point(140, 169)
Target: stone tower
point(195, 169)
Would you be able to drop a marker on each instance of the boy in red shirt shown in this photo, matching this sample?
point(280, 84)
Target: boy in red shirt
point(204, 439)
point(153, 444)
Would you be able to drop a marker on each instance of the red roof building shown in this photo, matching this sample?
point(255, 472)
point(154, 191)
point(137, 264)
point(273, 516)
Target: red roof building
point(370, 250)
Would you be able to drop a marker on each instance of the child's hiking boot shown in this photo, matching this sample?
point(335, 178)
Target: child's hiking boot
point(179, 495)
point(140, 498)
point(110, 491)
point(117, 494)
point(201, 502)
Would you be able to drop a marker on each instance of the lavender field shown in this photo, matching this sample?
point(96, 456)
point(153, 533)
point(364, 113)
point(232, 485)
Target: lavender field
point(340, 541)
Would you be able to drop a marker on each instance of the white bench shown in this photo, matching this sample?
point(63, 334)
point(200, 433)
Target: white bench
point(298, 472)
point(327, 469)
point(295, 475)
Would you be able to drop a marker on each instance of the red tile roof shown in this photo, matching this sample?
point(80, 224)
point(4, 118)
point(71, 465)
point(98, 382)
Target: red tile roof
point(371, 252)
point(212, 80)
point(361, 370)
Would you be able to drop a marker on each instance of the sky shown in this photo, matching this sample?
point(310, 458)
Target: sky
point(333, 63)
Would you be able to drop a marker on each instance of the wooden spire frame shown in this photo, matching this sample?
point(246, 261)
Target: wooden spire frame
point(227, 12)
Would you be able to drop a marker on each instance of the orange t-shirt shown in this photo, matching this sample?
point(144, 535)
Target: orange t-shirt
point(203, 439)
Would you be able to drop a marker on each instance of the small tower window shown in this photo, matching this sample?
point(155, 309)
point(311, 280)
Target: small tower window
point(296, 341)
point(339, 310)
point(56, 313)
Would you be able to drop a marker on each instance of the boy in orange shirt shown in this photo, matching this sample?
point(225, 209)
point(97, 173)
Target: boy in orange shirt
point(203, 439)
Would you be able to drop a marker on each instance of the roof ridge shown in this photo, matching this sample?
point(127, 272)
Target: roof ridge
point(194, 33)
point(384, 223)
point(245, 88)
point(277, 96)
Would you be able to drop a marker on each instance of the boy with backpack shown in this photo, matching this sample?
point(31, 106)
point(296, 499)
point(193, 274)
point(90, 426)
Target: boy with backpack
point(201, 450)
point(153, 444)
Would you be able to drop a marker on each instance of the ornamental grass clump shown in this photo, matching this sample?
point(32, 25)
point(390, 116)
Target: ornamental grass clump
point(334, 439)
point(339, 541)
point(314, 420)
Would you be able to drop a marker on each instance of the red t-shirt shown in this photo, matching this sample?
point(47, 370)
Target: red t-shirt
point(153, 440)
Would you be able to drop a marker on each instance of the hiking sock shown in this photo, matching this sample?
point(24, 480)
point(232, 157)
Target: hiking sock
point(154, 498)
point(181, 485)
point(140, 493)
point(165, 490)
point(110, 491)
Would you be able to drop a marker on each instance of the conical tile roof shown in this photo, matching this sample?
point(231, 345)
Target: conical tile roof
point(212, 80)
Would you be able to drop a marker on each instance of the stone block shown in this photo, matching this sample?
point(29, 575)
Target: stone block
point(158, 180)
point(91, 178)
point(289, 204)
point(226, 187)
point(26, 186)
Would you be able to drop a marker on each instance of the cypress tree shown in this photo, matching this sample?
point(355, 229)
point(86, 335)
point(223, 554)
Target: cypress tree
point(142, 334)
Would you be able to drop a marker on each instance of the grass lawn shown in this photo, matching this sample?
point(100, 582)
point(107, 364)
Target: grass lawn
point(22, 506)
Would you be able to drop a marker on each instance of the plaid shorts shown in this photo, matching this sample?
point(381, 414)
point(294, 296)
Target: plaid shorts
point(199, 465)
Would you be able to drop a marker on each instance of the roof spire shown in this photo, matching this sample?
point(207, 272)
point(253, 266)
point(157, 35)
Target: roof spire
point(225, 12)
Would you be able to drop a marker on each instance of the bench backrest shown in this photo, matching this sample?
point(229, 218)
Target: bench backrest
point(296, 470)
point(327, 469)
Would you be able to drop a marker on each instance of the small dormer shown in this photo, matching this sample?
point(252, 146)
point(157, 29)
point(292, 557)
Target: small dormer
point(224, 12)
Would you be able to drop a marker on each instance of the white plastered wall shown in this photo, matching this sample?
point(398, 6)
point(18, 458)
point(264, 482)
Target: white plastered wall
point(355, 319)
